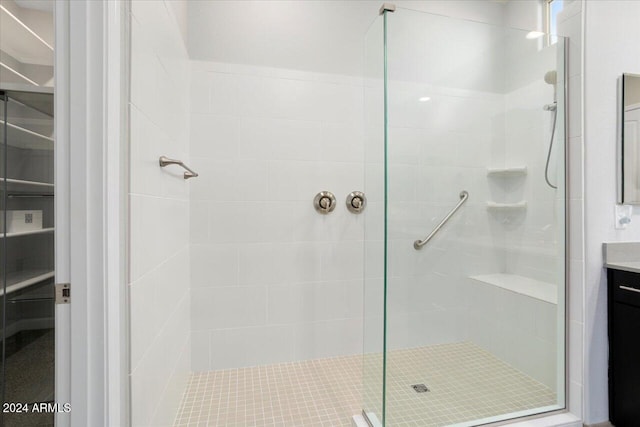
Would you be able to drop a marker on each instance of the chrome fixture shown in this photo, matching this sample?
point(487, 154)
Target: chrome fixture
point(387, 7)
point(324, 202)
point(551, 78)
point(356, 202)
point(62, 293)
point(420, 388)
point(628, 288)
point(165, 161)
point(418, 244)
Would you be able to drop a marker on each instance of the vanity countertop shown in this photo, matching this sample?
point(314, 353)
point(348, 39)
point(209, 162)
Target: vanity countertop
point(633, 267)
point(623, 256)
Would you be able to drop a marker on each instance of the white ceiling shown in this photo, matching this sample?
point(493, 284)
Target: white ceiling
point(22, 44)
point(26, 41)
point(323, 36)
point(44, 5)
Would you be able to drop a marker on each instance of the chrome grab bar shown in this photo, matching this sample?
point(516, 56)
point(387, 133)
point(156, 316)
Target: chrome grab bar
point(418, 244)
point(165, 161)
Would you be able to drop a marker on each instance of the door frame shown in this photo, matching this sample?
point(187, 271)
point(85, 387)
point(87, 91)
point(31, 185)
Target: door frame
point(91, 64)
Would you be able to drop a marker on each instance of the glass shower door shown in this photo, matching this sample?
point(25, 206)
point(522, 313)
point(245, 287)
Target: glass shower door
point(473, 221)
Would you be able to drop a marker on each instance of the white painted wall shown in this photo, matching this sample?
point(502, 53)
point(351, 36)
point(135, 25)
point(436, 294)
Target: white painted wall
point(159, 208)
point(611, 47)
point(318, 36)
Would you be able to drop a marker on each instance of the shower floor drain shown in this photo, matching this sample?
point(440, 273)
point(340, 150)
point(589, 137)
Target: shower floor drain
point(420, 388)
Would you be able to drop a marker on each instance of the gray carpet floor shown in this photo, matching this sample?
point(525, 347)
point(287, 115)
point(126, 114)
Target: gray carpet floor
point(30, 377)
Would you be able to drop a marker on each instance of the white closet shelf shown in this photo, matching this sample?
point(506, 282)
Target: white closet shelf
point(533, 288)
point(22, 279)
point(506, 206)
point(28, 183)
point(507, 171)
point(27, 233)
point(20, 137)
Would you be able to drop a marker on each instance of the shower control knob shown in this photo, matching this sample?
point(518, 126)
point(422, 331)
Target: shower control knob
point(356, 202)
point(324, 202)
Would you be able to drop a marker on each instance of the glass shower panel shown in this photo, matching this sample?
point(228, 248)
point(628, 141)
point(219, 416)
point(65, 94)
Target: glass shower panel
point(373, 337)
point(475, 314)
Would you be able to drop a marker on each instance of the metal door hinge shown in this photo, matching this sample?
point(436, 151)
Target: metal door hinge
point(63, 293)
point(387, 7)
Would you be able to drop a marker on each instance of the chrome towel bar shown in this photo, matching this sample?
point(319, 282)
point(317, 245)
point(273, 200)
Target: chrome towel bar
point(165, 161)
point(418, 244)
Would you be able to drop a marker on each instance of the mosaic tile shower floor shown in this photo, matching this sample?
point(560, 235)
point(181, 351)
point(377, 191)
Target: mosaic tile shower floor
point(465, 383)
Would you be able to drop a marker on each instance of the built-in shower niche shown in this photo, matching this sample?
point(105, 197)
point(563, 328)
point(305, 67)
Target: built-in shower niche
point(507, 183)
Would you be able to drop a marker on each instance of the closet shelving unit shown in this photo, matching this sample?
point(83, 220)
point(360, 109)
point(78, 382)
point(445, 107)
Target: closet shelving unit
point(27, 288)
point(27, 184)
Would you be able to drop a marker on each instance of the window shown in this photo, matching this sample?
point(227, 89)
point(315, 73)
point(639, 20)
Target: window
point(552, 9)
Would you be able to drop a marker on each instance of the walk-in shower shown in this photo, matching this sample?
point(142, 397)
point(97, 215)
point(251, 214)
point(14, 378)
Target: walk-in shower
point(378, 243)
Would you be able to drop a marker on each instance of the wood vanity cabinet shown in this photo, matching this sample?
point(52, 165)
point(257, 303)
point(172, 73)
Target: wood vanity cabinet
point(624, 347)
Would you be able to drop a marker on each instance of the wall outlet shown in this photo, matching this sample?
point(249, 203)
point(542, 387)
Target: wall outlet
point(623, 216)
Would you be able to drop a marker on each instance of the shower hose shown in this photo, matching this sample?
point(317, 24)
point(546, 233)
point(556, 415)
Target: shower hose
point(553, 132)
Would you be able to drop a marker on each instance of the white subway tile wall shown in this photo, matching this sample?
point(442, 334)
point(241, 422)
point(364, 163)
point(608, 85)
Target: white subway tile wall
point(273, 280)
point(159, 206)
point(267, 140)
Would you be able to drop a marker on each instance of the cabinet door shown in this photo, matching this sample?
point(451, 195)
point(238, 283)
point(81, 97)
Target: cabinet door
point(625, 365)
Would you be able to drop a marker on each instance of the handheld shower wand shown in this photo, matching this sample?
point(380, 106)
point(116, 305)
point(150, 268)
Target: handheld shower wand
point(551, 77)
